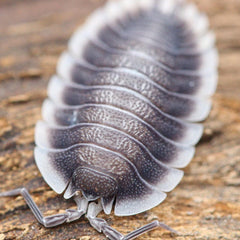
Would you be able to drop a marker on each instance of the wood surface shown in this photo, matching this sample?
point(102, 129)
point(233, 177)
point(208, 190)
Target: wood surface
point(205, 205)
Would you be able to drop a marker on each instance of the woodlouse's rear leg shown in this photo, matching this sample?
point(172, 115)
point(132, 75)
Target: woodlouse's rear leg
point(101, 225)
point(49, 221)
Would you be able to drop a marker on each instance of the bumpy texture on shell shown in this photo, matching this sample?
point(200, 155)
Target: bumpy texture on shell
point(122, 110)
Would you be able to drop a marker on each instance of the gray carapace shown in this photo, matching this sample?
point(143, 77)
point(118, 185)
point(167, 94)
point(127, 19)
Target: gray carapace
point(122, 111)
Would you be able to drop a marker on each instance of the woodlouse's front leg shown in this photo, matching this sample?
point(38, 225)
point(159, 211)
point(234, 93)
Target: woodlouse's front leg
point(49, 221)
point(101, 225)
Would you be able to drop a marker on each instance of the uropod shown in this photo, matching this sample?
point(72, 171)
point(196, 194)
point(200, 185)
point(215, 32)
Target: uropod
point(122, 111)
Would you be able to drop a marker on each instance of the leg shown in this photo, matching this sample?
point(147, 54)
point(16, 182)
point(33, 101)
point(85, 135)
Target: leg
point(148, 228)
point(101, 225)
point(50, 221)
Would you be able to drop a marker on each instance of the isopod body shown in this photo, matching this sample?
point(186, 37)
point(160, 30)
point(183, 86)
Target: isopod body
point(122, 110)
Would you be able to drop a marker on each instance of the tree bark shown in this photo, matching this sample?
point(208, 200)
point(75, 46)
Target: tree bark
point(205, 205)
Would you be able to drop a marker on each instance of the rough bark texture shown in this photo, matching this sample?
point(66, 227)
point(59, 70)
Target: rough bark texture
point(206, 203)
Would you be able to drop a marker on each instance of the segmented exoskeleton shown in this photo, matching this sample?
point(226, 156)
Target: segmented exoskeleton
point(121, 113)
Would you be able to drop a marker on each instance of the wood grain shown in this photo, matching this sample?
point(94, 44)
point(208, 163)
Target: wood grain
point(206, 203)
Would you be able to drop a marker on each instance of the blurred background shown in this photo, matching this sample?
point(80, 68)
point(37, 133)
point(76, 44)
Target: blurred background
point(206, 203)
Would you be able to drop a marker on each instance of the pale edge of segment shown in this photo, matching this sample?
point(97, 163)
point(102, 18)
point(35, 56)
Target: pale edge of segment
point(184, 154)
point(202, 105)
point(55, 92)
point(206, 41)
point(123, 207)
point(192, 135)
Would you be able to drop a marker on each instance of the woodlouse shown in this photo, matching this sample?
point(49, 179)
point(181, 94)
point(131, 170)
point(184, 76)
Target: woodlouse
point(120, 117)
